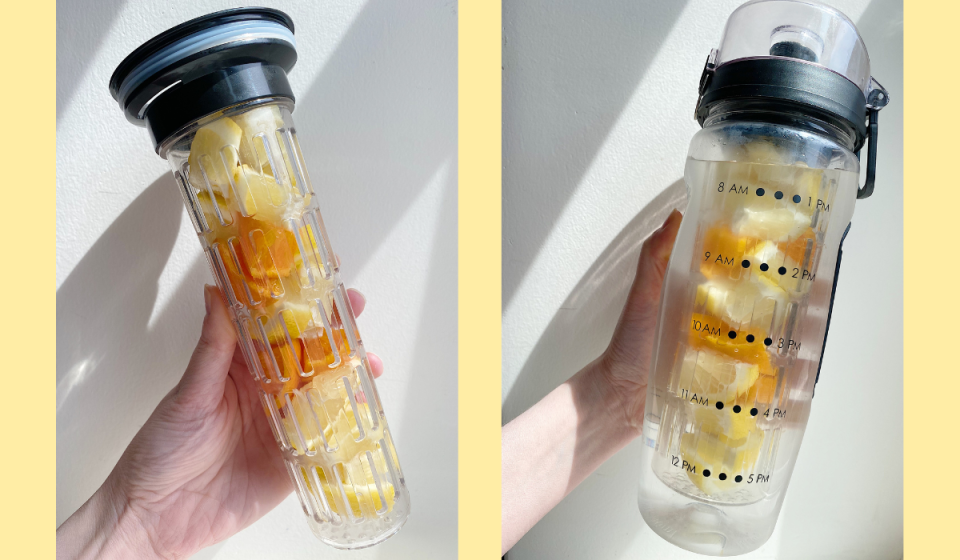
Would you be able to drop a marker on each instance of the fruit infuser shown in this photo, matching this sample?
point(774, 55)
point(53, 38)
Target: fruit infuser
point(213, 94)
point(786, 104)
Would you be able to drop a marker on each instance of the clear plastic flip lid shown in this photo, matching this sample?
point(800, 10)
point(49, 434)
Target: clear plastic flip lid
point(798, 29)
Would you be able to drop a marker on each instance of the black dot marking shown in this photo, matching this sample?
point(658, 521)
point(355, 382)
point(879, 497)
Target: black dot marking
point(722, 476)
point(745, 263)
point(719, 405)
point(753, 412)
point(750, 338)
point(778, 195)
point(732, 334)
point(782, 270)
point(760, 192)
point(767, 341)
point(764, 267)
point(796, 198)
point(736, 408)
point(738, 478)
point(706, 472)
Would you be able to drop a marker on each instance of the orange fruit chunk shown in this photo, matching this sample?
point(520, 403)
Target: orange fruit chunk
point(797, 248)
point(713, 334)
point(270, 249)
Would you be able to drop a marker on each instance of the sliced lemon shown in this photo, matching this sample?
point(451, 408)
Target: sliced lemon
point(772, 223)
point(744, 303)
point(730, 447)
point(297, 318)
point(783, 271)
point(259, 143)
point(213, 156)
point(365, 487)
point(716, 376)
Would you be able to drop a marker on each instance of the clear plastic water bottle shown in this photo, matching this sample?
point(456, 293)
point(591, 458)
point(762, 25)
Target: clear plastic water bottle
point(786, 104)
point(213, 92)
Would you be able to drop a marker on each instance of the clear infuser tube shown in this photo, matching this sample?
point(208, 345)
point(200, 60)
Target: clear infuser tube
point(245, 185)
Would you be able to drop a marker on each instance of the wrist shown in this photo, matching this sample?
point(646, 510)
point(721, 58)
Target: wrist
point(104, 527)
point(604, 406)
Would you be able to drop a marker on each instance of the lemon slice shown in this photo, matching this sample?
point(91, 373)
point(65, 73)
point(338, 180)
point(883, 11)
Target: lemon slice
point(793, 278)
point(715, 376)
point(365, 489)
point(713, 451)
point(744, 303)
point(259, 143)
point(297, 318)
point(720, 443)
point(211, 157)
point(772, 223)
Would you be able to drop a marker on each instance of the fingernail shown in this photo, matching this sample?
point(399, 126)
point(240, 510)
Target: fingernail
point(207, 302)
point(362, 295)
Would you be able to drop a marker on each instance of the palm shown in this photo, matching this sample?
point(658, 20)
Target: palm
point(206, 465)
point(629, 354)
point(199, 478)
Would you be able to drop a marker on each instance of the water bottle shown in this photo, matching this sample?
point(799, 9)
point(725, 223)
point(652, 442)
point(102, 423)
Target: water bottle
point(214, 95)
point(786, 104)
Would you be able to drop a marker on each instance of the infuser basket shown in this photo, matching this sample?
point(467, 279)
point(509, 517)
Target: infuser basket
point(213, 92)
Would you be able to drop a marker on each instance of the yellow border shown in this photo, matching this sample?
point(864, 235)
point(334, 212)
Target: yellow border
point(479, 279)
point(28, 279)
point(931, 306)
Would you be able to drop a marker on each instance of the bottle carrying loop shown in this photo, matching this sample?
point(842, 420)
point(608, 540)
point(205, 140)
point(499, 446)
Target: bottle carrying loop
point(877, 98)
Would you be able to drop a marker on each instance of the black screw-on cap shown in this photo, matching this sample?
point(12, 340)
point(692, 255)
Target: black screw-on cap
point(205, 65)
point(809, 88)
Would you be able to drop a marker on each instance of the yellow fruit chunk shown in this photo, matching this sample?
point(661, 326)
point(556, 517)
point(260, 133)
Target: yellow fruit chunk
point(794, 278)
point(710, 335)
point(259, 144)
point(716, 376)
point(744, 303)
point(712, 451)
point(722, 443)
point(297, 318)
point(213, 156)
point(264, 199)
point(772, 223)
point(366, 487)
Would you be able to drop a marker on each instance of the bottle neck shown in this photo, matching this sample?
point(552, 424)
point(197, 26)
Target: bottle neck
point(785, 114)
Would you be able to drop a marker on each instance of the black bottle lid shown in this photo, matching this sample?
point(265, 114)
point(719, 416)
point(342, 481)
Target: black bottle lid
point(800, 57)
point(203, 66)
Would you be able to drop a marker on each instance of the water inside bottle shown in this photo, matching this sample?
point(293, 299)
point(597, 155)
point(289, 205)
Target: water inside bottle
point(738, 348)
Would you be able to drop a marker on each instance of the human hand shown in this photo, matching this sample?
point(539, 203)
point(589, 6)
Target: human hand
point(204, 465)
point(625, 365)
point(552, 447)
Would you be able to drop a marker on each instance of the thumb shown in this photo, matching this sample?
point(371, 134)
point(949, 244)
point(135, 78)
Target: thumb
point(632, 342)
point(652, 266)
point(203, 381)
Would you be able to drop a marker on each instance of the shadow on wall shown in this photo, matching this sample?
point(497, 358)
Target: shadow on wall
point(104, 333)
point(435, 382)
point(582, 327)
point(81, 27)
point(881, 26)
point(581, 62)
point(372, 142)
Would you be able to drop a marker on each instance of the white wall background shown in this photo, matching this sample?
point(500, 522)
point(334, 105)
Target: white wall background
point(598, 101)
point(376, 83)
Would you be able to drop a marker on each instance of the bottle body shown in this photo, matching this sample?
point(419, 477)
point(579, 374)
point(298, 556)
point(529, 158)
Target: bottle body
point(742, 321)
point(244, 183)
